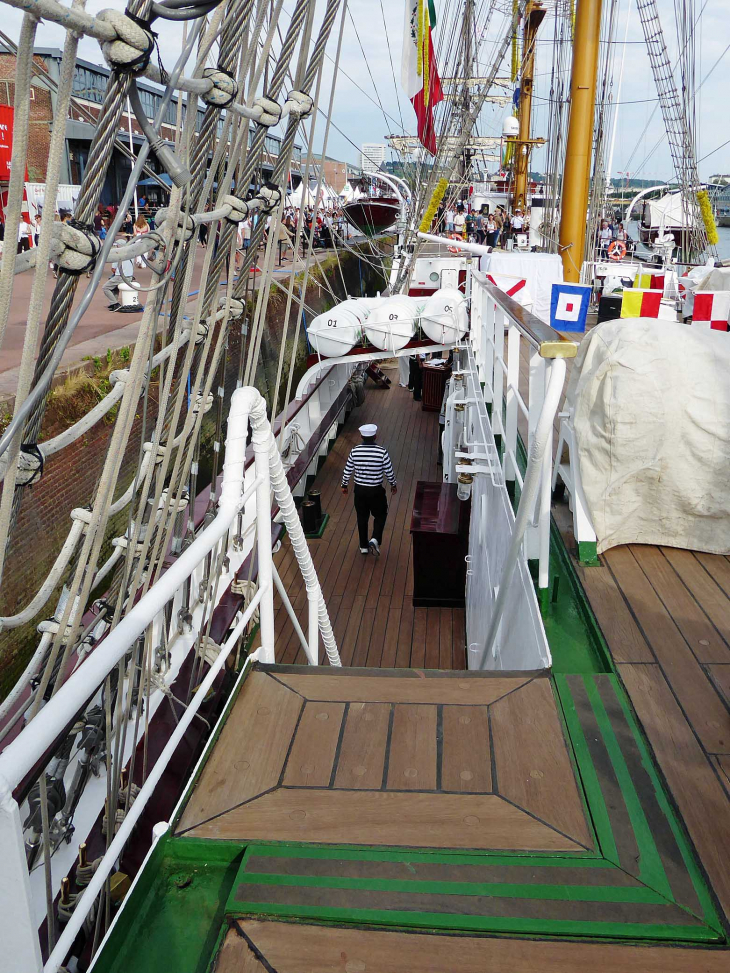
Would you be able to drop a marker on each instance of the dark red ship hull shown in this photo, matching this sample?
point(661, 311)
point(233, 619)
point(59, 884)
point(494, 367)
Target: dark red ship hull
point(372, 214)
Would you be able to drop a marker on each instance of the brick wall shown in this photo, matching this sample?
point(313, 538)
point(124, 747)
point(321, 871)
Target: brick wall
point(41, 115)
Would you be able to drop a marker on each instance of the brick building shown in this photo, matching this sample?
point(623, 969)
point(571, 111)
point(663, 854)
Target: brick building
point(41, 113)
point(337, 174)
point(89, 85)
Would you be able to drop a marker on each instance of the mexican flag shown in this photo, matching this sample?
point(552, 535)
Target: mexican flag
point(420, 76)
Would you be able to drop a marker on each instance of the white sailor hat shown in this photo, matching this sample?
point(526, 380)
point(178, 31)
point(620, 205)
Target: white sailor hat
point(369, 429)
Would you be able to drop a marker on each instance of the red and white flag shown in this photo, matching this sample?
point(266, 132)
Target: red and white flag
point(711, 310)
point(419, 74)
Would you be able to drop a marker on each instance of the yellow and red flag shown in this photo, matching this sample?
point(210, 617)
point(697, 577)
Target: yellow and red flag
point(637, 303)
point(647, 280)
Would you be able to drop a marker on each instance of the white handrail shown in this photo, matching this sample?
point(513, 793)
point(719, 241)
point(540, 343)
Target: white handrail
point(107, 863)
point(27, 751)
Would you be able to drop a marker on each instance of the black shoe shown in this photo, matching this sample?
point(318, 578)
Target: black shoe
point(114, 307)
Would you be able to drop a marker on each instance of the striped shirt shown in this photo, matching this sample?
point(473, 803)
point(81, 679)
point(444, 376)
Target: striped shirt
point(370, 463)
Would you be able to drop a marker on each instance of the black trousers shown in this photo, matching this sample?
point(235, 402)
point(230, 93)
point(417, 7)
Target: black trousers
point(415, 379)
point(370, 501)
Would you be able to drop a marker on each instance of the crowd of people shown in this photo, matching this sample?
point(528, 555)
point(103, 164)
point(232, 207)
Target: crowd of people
point(480, 226)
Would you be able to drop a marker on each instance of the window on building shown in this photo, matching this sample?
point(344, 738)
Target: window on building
point(89, 85)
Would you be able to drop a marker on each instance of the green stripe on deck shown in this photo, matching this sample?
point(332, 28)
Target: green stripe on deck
point(586, 898)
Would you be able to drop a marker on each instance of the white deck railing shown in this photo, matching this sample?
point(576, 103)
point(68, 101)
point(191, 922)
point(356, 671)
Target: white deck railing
point(244, 506)
point(512, 382)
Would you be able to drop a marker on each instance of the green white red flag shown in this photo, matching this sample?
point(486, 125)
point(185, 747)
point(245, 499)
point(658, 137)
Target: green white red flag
point(420, 76)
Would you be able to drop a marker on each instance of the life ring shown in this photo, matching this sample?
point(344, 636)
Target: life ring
point(617, 250)
point(455, 236)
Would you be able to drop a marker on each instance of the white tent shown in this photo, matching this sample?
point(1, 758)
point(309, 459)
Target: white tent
point(302, 196)
point(306, 195)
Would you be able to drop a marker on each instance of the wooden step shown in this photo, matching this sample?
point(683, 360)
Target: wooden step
point(393, 757)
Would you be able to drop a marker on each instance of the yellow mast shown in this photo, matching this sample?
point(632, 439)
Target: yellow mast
point(534, 15)
point(577, 171)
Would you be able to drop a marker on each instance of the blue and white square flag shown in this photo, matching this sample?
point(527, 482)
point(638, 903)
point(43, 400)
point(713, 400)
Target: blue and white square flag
point(569, 306)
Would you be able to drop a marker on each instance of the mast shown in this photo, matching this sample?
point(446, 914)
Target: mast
point(534, 15)
point(576, 175)
point(468, 65)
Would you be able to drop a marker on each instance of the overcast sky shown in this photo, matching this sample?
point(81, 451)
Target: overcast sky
point(369, 104)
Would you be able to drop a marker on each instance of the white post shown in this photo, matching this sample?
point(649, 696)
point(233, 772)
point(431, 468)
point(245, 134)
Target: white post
point(497, 373)
point(263, 538)
point(513, 378)
point(488, 318)
point(538, 374)
point(18, 933)
point(543, 525)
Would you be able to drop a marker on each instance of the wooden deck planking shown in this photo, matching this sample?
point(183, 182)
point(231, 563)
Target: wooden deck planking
point(689, 680)
point(299, 948)
point(378, 756)
point(689, 773)
point(531, 759)
point(656, 608)
point(369, 599)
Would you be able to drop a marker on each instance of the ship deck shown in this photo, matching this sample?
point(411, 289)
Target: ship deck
point(369, 599)
point(665, 616)
point(361, 819)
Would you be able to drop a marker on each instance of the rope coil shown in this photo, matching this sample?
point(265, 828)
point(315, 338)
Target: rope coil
point(270, 195)
point(266, 111)
point(224, 89)
point(185, 228)
point(239, 208)
point(77, 247)
point(130, 53)
point(300, 104)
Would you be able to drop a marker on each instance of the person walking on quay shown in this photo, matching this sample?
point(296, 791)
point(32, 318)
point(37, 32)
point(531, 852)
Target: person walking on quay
point(369, 463)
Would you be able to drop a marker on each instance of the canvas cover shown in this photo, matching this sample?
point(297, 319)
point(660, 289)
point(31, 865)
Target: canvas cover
point(650, 402)
point(540, 270)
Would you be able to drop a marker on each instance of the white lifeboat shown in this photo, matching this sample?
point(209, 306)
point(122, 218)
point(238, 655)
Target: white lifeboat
point(334, 333)
point(392, 325)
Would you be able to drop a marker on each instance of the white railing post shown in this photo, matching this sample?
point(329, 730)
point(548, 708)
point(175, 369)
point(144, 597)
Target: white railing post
point(513, 378)
point(544, 502)
point(497, 374)
point(535, 401)
point(261, 446)
point(488, 316)
point(18, 932)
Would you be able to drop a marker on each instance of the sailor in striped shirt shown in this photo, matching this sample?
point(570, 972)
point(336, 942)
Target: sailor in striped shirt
point(369, 463)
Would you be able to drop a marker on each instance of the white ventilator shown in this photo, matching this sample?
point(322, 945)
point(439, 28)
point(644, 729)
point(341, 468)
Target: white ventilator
point(334, 333)
point(444, 318)
point(392, 325)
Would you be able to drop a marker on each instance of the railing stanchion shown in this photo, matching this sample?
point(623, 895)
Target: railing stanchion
point(538, 377)
point(513, 379)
